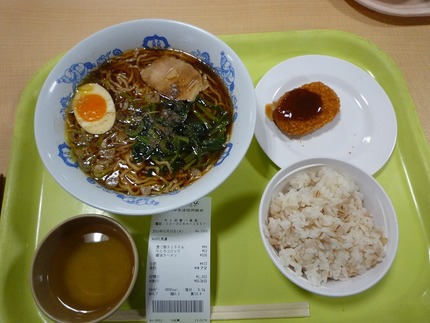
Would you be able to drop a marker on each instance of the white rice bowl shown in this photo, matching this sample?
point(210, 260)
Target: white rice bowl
point(328, 227)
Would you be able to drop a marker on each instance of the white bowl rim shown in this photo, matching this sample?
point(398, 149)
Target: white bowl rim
point(391, 221)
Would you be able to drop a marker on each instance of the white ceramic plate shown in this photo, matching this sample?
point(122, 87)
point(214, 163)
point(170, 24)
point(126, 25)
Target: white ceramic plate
point(404, 8)
point(363, 133)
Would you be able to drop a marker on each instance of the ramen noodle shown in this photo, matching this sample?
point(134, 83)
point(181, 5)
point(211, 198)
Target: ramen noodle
point(168, 130)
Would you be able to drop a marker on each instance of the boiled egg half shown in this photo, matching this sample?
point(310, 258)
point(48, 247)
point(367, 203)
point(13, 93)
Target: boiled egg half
point(94, 108)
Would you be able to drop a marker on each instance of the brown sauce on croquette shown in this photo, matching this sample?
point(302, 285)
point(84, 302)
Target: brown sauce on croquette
point(299, 104)
point(305, 109)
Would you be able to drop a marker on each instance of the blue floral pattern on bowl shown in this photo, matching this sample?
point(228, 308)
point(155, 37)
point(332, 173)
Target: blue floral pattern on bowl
point(136, 200)
point(77, 72)
point(155, 42)
point(64, 154)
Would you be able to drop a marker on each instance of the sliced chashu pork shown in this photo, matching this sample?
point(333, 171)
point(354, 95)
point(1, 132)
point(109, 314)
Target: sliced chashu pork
point(174, 78)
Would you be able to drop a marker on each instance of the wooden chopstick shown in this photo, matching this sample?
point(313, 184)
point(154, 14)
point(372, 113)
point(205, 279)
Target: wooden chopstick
point(260, 311)
point(240, 312)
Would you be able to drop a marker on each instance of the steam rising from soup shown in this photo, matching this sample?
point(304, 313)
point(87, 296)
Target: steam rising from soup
point(171, 125)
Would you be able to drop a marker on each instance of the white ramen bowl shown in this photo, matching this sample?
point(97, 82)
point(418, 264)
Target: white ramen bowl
point(375, 200)
point(151, 33)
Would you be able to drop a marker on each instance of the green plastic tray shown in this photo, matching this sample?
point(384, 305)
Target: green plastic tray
point(241, 271)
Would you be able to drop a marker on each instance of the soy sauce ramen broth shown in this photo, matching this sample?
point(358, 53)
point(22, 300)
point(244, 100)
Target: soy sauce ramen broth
point(154, 160)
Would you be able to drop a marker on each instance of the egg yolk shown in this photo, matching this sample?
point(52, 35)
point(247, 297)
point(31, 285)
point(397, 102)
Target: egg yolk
point(91, 107)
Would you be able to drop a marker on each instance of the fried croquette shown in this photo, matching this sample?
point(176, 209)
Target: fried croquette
point(305, 109)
